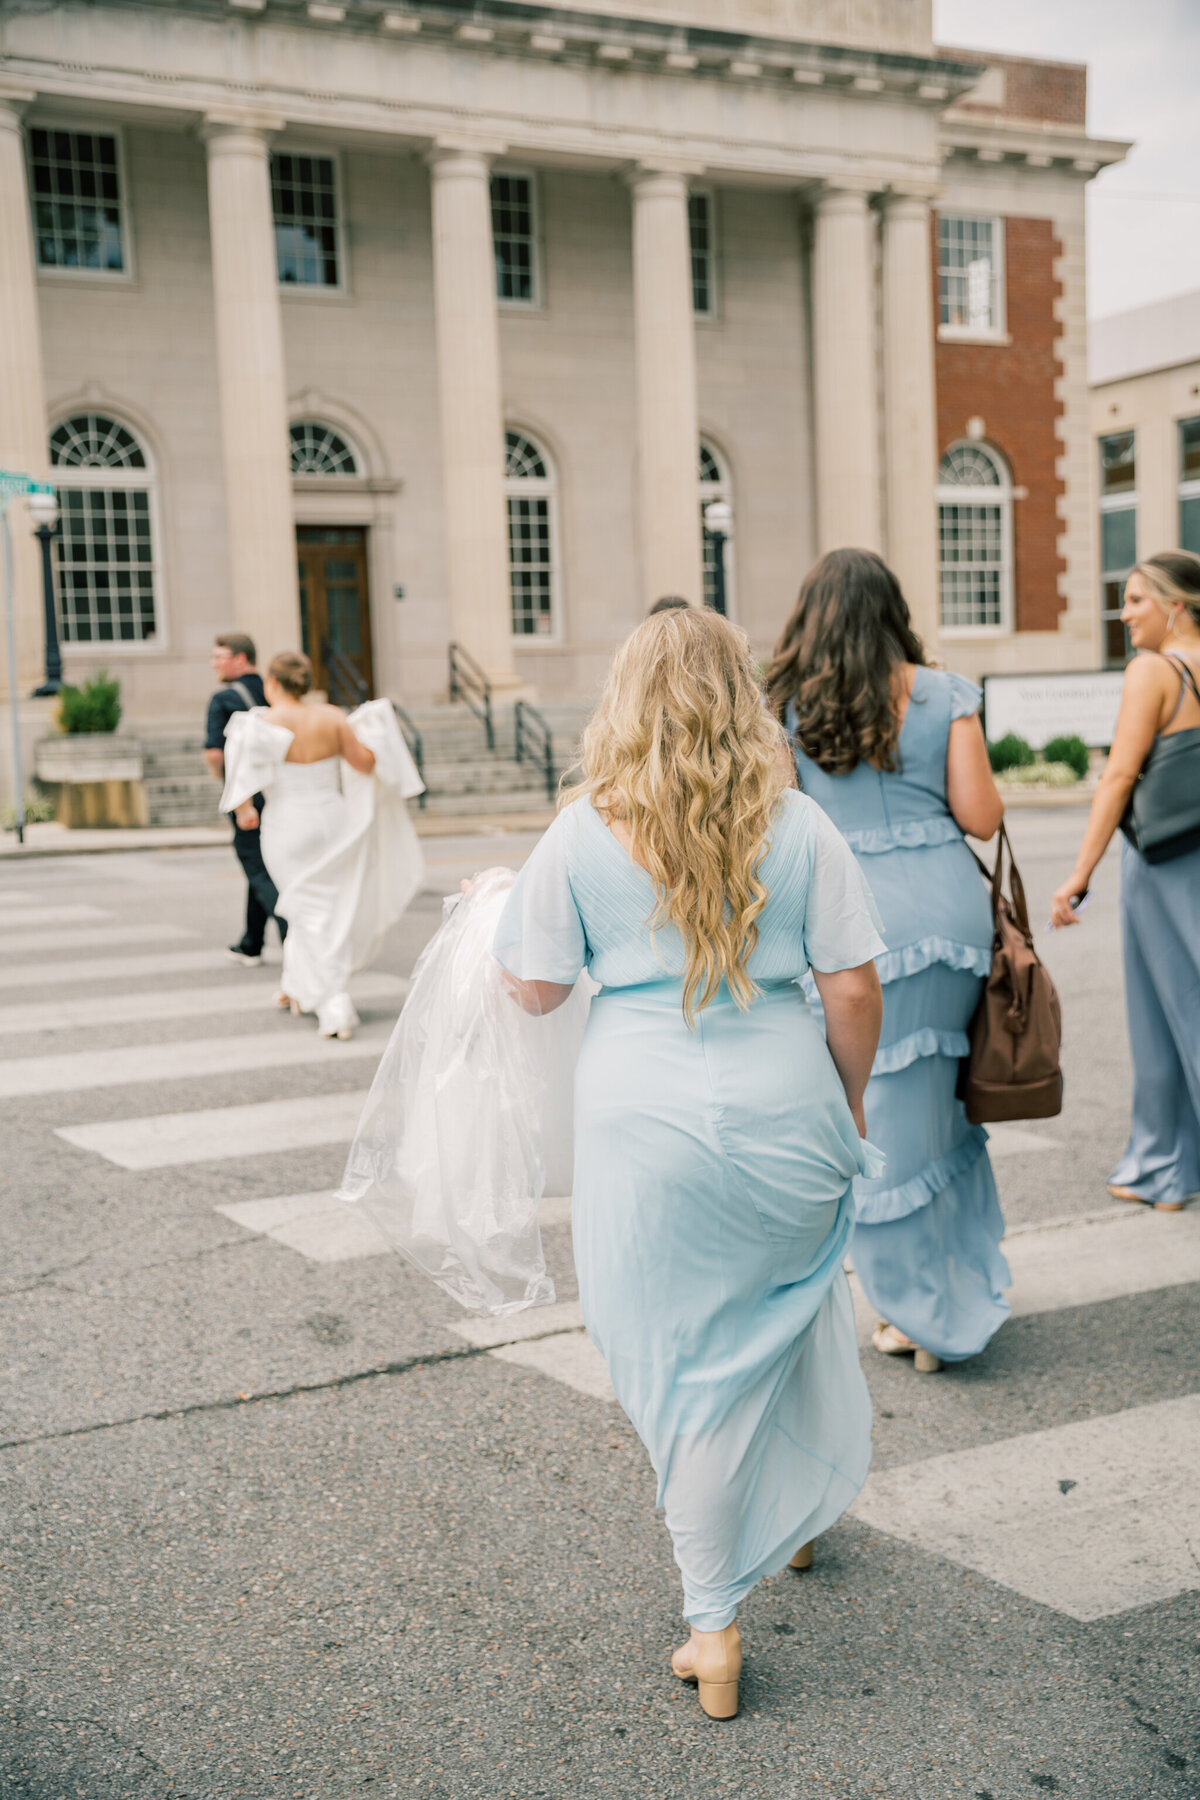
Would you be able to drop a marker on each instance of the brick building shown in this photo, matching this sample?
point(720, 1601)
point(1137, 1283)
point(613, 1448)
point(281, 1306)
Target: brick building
point(379, 326)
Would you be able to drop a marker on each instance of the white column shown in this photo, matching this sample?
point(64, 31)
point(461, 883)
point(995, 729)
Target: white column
point(472, 409)
point(251, 386)
point(845, 397)
point(23, 446)
point(910, 408)
point(667, 429)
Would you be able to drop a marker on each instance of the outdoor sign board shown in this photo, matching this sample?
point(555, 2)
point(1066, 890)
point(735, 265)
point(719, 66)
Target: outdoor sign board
point(1040, 707)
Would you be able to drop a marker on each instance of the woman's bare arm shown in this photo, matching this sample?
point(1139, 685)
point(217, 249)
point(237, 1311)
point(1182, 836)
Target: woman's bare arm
point(355, 753)
point(853, 1003)
point(971, 793)
point(1142, 696)
point(537, 997)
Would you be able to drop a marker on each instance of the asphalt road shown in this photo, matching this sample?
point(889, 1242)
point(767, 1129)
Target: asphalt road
point(273, 1525)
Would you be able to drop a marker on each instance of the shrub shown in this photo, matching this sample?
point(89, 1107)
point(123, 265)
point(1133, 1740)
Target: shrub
point(39, 810)
point(1070, 750)
point(96, 706)
point(1009, 752)
point(1043, 774)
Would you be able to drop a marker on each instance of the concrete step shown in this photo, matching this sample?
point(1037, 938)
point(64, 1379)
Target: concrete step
point(453, 805)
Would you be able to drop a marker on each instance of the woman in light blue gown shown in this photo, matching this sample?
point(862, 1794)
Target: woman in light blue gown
point(893, 751)
point(716, 1134)
point(1160, 902)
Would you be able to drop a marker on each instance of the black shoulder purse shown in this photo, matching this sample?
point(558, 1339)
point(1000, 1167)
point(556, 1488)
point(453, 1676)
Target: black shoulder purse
point(1162, 820)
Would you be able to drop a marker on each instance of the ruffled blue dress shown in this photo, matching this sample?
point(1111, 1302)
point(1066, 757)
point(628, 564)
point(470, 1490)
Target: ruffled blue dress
point(712, 1196)
point(927, 1248)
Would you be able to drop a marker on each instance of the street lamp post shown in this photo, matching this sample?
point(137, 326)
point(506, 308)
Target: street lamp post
point(11, 484)
point(718, 517)
point(43, 508)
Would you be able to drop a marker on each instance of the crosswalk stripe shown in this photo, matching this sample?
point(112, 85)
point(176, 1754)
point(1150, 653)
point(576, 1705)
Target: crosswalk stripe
point(53, 915)
point(88, 937)
point(324, 1229)
point(1012, 1140)
point(167, 1140)
point(42, 974)
point(1133, 1251)
point(1091, 1518)
point(79, 1070)
point(571, 1358)
point(179, 1003)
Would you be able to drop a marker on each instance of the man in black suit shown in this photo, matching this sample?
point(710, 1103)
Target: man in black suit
point(233, 660)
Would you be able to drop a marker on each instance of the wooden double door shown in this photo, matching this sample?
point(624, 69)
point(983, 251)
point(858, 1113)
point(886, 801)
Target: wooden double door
point(335, 609)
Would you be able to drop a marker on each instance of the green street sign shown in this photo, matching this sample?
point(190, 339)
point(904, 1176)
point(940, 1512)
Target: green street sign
point(11, 484)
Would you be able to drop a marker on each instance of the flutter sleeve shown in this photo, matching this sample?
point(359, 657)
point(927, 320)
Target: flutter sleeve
point(842, 926)
point(540, 936)
point(254, 750)
point(965, 697)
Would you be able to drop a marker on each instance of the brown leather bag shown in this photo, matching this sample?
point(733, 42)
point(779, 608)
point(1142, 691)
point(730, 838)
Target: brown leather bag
point(1013, 1070)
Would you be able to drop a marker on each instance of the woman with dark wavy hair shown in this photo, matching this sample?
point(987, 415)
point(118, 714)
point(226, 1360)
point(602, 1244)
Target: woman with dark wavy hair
point(894, 752)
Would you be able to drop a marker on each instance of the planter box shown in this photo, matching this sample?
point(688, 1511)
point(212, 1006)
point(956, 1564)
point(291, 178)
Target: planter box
point(96, 777)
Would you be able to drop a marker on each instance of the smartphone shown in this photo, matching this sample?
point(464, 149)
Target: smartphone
point(1077, 907)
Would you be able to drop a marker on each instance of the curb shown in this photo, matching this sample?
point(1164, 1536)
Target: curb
point(115, 842)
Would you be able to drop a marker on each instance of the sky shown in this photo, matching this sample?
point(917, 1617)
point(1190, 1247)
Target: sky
point(1143, 63)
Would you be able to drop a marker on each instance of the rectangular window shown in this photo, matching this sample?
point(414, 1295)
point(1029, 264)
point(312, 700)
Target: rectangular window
point(701, 240)
point(514, 238)
point(1118, 539)
point(105, 565)
point(531, 566)
point(971, 551)
point(970, 277)
point(75, 186)
point(304, 199)
point(1189, 485)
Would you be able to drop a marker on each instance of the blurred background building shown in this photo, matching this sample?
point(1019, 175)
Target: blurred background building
point(381, 327)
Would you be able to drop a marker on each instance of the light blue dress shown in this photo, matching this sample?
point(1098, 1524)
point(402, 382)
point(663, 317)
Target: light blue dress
point(712, 1199)
point(927, 1248)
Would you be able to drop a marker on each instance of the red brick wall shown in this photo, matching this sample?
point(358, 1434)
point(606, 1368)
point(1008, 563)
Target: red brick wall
point(1032, 90)
point(1011, 388)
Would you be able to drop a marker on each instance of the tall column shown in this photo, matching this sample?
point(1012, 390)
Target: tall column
point(910, 408)
point(667, 429)
point(23, 446)
point(251, 385)
point(845, 399)
point(472, 409)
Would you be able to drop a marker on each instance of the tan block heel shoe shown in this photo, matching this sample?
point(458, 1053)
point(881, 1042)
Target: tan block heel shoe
point(803, 1558)
point(716, 1668)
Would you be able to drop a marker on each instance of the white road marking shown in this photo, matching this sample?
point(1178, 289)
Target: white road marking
point(40, 973)
point(80, 1070)
point(165, 1140)
point(88, 937)
point(53, 915)
point(1012, 1140)
point(179, 1003)
point(571, 1358)
point(1091, 1519)
point(510, 1328)
point(1134, 1251)
point(320, 1227)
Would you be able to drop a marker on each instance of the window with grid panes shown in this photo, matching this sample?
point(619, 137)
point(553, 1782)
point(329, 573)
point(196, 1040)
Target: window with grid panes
point(532, 570)
point(320, 450)
point(514, 237)
point(1189, 485)
point(969, 296)
point(304, 201)
point(974, 500)
point(1118, 538)
point(105, 538)
point(700, 236)
point(75, 189)
point(713, 486)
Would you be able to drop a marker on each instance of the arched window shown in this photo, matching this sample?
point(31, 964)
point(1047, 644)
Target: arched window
point(715, 557)
point(532, 549)
point(974, 539)
point(106, 567)
point(320, 450)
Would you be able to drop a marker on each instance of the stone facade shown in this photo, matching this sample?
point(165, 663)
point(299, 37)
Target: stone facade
point(821, 135)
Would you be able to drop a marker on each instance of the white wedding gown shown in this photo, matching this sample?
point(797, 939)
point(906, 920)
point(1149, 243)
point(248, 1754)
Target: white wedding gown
point(339, 846)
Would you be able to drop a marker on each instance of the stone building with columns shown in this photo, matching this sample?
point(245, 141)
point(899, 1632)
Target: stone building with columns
point(381, 326)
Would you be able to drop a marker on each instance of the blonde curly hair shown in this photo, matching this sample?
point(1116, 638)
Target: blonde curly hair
point(683, 751)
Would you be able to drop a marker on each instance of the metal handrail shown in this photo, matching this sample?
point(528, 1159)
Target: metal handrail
point(534, 739)
point(469, 684)
point(416, 746)
point(346, 686)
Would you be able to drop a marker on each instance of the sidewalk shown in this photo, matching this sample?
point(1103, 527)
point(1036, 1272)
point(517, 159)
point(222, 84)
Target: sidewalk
point(57, 840)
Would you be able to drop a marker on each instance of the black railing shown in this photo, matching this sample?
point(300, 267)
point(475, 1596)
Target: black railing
point(469, 684)
point(416, 746)
point(535, 742)
point(346, 687)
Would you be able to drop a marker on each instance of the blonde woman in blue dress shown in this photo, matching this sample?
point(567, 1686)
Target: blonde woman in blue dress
point(717, 1131)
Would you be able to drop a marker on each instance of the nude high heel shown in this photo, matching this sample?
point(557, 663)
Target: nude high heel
point(889, 1340)
point(716, 1670)
point(294, 1008)
point(803, 1558)
point(925, 1362)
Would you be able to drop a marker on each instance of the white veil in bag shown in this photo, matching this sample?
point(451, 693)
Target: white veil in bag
point(468, 1116)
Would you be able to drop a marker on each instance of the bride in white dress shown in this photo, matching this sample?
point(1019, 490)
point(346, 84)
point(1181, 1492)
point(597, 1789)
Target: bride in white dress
point(336, 836)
